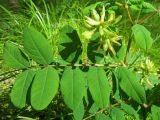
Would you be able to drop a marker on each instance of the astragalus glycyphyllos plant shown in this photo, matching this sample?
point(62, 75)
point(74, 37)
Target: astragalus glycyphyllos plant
point(99, 73)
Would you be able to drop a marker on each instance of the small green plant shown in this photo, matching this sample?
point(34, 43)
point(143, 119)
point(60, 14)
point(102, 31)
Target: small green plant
point(101, 72)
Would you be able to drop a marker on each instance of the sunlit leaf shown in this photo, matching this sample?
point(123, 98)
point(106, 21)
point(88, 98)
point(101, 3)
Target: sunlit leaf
point(73, 87)
point(20, 88)
point(94, 108)
point(130, 110)
point(37, 46)
point(142, 37)
point(99, 86)
point(155, 112)
point(78, 113)
point(148, 7)
point(44, 87)
point(13, 57)
point(117, 114)
point(130, 85)
point(135, 7)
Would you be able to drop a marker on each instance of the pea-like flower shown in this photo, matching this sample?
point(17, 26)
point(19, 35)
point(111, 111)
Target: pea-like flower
point(148, 66)
point(98, 23)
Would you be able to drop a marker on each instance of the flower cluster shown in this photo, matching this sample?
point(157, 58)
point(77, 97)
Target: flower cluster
point(148, 66)
point(98, 23)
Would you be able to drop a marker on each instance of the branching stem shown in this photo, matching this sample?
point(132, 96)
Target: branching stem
point(100, 111)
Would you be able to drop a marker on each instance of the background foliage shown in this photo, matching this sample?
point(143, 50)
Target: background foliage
point(132, 93)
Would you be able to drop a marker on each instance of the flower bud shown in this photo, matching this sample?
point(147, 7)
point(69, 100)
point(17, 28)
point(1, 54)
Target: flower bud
point(88, 34)
point(103, 14)
point(95, 15)
point(118, 19)
point(111, 17)
point(101, 31)
point(91, 22)
point(88, 25)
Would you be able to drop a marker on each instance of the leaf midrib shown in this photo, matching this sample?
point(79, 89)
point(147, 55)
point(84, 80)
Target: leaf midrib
point(145, 37)
point(139, 96)
point(73, 88)
point(43, 87)
point(24, 83)
point(99, 80)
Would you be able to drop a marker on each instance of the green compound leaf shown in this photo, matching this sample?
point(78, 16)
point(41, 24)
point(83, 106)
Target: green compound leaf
point(73, 87)
point(13, 57)
point(37, 46)
point(20, 88)
point(142, 37)
point(44, 87)
point(130, 85)
point(99, 86)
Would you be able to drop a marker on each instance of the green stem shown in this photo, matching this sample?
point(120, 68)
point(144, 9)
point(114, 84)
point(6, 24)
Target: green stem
point(84, 52)
point(139, 13)
point(144, 110)
point(128, 48)
point(129, 15)
point(101, 111)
